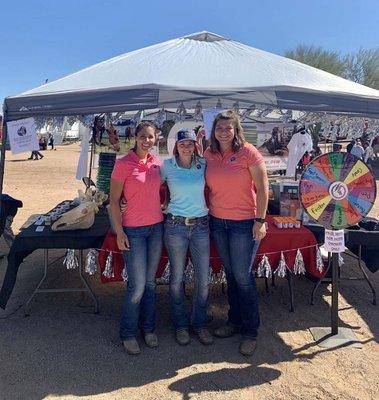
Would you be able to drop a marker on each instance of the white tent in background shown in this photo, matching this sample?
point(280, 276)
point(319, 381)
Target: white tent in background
point(199, 67)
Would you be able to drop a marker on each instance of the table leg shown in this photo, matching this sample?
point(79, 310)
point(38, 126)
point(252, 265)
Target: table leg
point(365, 275)
point(290, 287)
point(86, 287)
point(266, 285)
point(45, 263)
point(89, 290)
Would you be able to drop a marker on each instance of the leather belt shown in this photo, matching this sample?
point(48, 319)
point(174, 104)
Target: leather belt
point(188, 221)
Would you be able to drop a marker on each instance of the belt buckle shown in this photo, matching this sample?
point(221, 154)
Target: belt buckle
point(187, 221)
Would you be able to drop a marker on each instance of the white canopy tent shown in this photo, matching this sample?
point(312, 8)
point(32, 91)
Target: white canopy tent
point(201, 66)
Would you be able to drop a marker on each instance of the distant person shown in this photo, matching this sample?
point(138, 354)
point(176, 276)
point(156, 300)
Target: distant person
point(274, 144)
point(51, 140)
point(42, 143)
point(306, 159)
point(128, 134)
point(357, 149)
point(35, 154)
point(350, 146)
point(368, 155)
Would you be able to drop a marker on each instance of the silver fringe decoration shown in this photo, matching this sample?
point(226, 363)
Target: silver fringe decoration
point(220, 277)
point(70, 260)
point(189, 273)
point(287, 116)
point(282, 267)
point(211, 276)
point(91, 262)
point(264, 268)
point(124, 274)
point(319, 262)
point(181, 113)
point(198, 113)
point(108, 270)
point(138, 117)
point(299, 267)
point(214, 279)
point(236, 107)
point(166, 274)
point(86, 120)
point(247, 112)
point(266, 111)
point(160, 118)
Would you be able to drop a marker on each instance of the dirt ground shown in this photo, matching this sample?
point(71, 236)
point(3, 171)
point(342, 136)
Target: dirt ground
point(64, 351)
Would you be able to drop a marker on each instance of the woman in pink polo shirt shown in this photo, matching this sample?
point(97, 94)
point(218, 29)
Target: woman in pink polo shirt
point(139, 230)
point(238, 195)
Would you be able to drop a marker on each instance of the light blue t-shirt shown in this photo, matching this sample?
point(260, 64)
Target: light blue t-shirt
point(186, 188)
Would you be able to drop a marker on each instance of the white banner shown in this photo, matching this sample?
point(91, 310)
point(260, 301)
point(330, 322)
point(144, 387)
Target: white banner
point(334, 241)
point(209, 115)
point(22, 135)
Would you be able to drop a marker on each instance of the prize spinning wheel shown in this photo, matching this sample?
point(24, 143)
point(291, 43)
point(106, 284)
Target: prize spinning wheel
point(337, 190)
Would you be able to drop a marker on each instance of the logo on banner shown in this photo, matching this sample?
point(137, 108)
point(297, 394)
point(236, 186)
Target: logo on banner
point(22, 135)
point(21, 131)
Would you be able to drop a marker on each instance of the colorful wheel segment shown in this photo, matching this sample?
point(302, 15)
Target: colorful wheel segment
point(337, 190)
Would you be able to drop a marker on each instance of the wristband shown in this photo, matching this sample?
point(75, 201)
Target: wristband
point(260, 220)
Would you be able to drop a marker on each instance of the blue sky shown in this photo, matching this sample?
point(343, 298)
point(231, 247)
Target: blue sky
point(46, 39)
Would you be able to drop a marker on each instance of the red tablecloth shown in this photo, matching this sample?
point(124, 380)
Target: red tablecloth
point(276, 241)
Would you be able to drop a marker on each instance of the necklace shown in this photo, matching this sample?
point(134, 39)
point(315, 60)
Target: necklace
point(181, 165)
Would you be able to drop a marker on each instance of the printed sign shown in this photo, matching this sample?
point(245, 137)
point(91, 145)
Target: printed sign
point(275, 163)
point(209, 115)
point(22, 135)
point(334, 241)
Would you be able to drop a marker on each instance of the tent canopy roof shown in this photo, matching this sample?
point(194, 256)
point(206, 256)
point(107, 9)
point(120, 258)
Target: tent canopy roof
point(201, 66)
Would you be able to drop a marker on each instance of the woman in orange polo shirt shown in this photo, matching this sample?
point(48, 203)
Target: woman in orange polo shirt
point(238, 196)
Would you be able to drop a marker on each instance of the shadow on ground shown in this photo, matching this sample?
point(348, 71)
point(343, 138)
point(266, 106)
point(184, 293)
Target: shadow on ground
point(64, 349)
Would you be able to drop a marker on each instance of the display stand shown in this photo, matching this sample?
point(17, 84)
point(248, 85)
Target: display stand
point(337, 190)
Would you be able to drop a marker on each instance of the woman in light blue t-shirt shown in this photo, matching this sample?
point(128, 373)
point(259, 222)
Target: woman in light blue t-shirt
point(186, 228)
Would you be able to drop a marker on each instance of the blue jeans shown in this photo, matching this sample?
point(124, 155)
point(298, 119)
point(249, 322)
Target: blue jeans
point(142, 262)
point(178, 238)
point(237, 248)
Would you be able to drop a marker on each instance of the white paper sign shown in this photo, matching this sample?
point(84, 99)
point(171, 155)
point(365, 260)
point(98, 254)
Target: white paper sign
point(274, 163)
point(22, 135)
point(209, 115)
point(81, 169)
point(334, 241)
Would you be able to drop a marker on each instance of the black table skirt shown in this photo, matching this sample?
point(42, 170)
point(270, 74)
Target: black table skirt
point(355, 237)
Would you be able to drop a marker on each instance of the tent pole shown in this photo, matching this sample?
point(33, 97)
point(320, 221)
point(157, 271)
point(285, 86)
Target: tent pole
point(93, 148)
point(3, 147)
point(90, 161)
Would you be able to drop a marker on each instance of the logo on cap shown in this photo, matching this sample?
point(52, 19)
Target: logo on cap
point(185, 134)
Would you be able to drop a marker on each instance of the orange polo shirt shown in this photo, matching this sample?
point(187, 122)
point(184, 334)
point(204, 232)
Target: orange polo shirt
point(232, 193)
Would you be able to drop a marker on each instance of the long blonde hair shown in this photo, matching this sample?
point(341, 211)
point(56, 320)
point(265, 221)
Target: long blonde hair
point(239, 137)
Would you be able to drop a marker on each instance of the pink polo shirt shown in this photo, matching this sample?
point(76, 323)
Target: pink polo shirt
point(141, 189)
point(232, 193)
